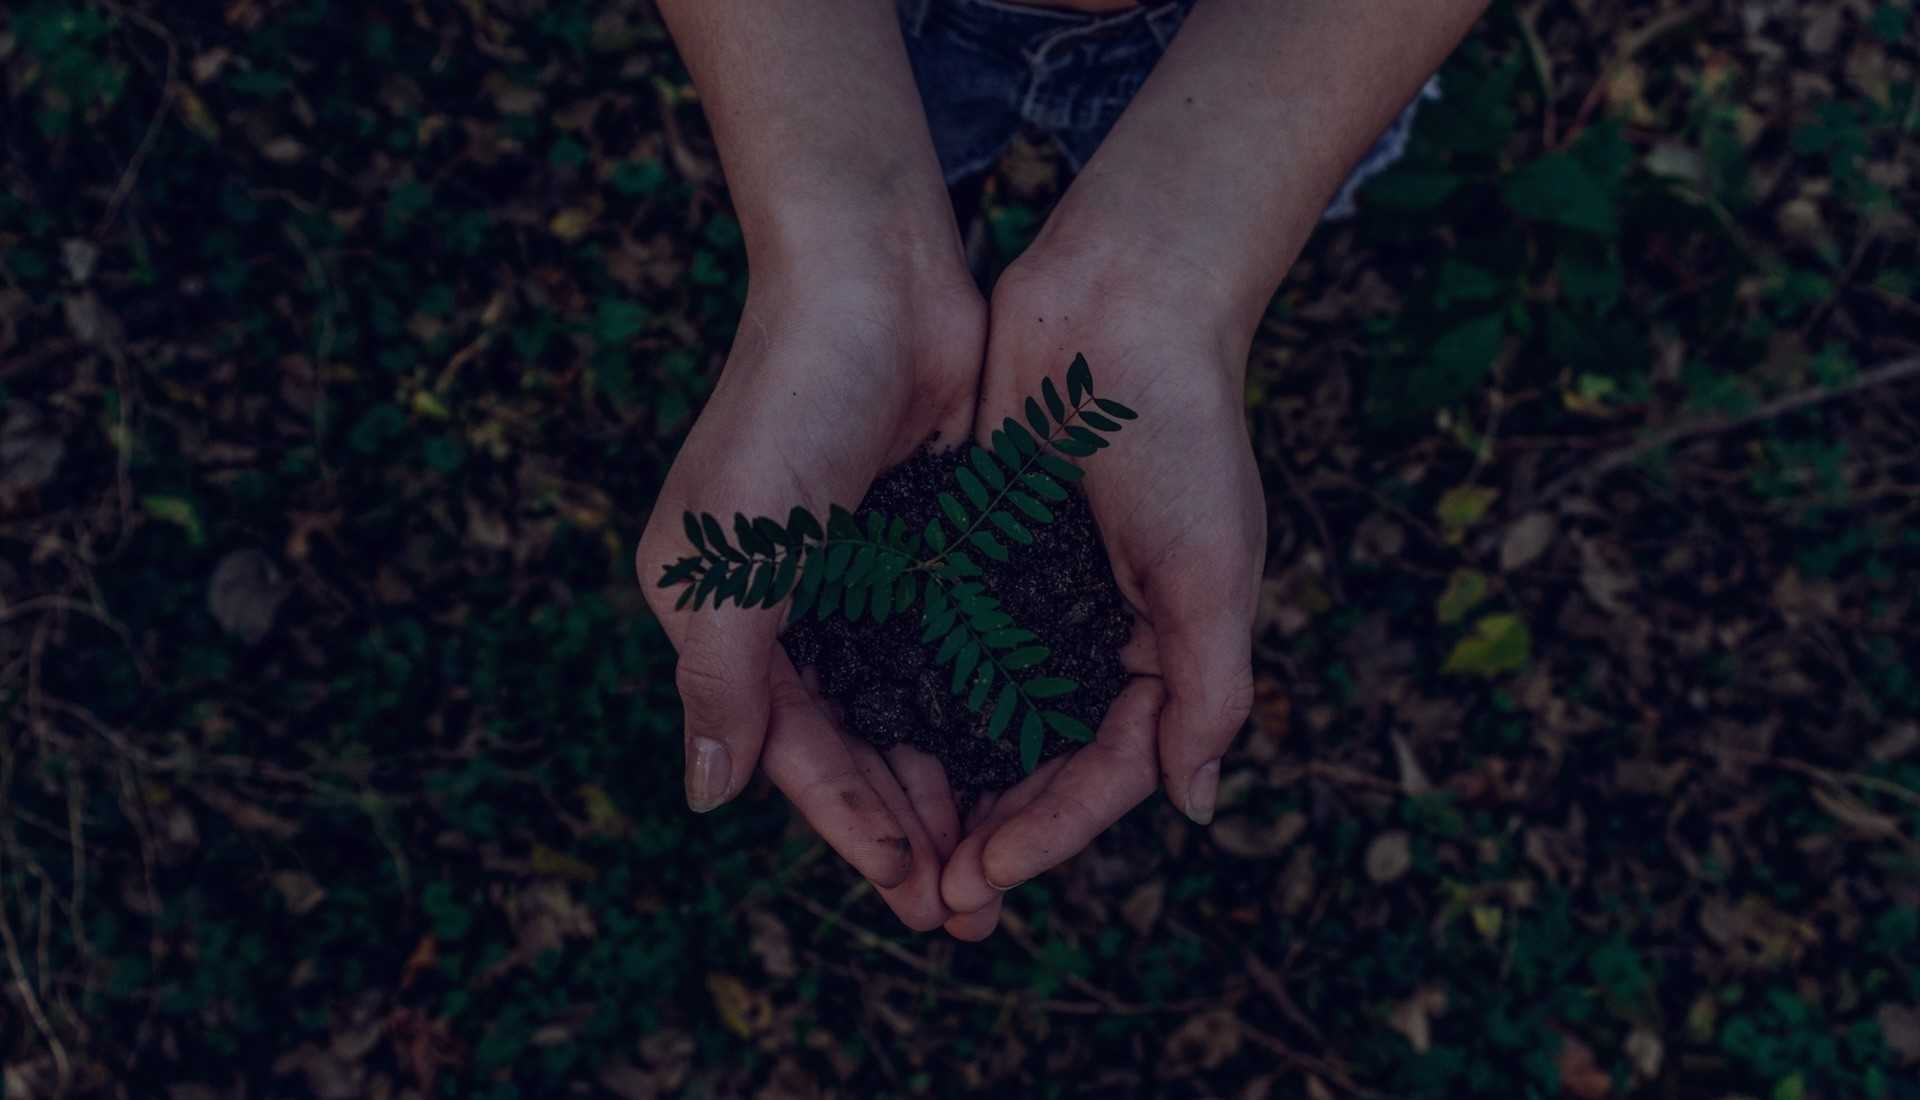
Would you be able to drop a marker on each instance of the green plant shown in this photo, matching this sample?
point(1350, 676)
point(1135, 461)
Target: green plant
point(879, 570)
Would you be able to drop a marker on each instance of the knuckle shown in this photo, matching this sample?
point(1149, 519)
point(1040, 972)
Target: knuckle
point(1237, 705)
point(703, 686)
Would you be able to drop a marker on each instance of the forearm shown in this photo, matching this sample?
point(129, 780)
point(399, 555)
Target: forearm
point(820, 128)
point(1220, 168)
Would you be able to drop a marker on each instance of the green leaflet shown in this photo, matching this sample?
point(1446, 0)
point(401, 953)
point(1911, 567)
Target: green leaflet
point(1055, 406)
point(1011, 528)
point(988, 468)
point(953, 510)
point(1033, 509)
point(1049, 687)
point(1026, 658)
point(1079, 380)
point(963, 665)
point(1003, 711)
point(1030, 737)
point(1066, 725)
point(1036, 418)
point(982, 681)
point(969, 484)
point(988, 545)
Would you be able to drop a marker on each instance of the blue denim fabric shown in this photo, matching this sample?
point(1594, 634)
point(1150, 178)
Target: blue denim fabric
point(987, 67)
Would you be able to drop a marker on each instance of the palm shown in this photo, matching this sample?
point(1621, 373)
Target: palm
point(1180, 509)
point(775, 434)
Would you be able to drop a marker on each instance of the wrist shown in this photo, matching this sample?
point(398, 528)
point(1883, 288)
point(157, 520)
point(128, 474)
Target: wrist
point(1123, 281)
point(1158, 261)
point(896, 224)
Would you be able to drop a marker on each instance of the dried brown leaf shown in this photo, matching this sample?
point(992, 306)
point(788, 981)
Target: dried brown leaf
point(769, 941)
point(1900, 1028)
point(1241, 835)
point(1142, 908)
point(1389, 856)
point(300, 890)
point(1525, 540)
point(1413, 1017)
point(1580, 1075)
point(30, 449)
point(245, 594)
point(1205, 1041)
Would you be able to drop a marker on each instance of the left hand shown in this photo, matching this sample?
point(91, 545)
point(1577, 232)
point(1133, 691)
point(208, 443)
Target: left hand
point(1178, 501)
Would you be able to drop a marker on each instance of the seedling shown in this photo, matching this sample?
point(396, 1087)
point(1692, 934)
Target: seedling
point(874, 567)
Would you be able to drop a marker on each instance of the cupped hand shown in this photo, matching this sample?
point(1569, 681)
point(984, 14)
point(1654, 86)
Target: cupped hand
point(833, 377)
point(1178, 501)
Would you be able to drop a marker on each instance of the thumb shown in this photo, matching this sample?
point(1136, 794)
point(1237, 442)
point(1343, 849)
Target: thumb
point(1206, 657)
point(722, 677)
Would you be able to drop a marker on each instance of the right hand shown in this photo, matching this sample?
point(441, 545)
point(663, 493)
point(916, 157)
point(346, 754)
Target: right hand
point(837, 372)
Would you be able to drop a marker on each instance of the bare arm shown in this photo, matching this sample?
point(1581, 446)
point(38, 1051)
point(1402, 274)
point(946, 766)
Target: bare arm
point(858, 298)
point(820, 128)
point(1249, 124)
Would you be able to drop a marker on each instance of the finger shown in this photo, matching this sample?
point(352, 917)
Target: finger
point(1207, 664)
point(1099, 784)
point(722, 677)
point(982, 810)
point(808, 760)
point(916, 900)
point(975, 926)
point(931, 797)
point(964, 885)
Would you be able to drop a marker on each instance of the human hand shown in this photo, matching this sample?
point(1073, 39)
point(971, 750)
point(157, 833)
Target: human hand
point(1180, 508)
point(836, 373)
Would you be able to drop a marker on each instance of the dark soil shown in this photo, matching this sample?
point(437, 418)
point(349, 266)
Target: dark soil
point(1060, 587)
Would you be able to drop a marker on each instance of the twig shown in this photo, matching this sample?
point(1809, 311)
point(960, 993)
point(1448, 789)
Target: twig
point(1891, 372)
point(63, 1068)
point(1018, 932)
point(1300, 493)
point(1527, 17)
point(1838, 779)
point(1307, 1062)
point(132, 172)
point(1270, 983)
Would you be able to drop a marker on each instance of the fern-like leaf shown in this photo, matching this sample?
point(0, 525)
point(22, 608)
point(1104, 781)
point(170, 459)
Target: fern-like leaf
point(870, 565)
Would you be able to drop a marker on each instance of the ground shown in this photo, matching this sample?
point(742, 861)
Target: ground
point(342, 345)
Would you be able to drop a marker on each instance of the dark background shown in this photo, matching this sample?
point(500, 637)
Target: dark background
point(343, 344)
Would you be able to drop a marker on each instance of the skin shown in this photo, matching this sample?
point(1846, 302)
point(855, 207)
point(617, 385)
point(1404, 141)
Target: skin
point(1157, 265)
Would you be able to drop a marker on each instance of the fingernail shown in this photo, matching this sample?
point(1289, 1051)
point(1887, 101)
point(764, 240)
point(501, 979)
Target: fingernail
point(1202, 791)
point(1009, 886)
point(709, 771)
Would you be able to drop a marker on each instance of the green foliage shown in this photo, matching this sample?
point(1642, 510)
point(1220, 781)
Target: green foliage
point(74, 73)
point(876, 568)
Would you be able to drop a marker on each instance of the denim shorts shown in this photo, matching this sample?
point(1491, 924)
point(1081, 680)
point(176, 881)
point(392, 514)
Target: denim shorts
point(986, 68)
